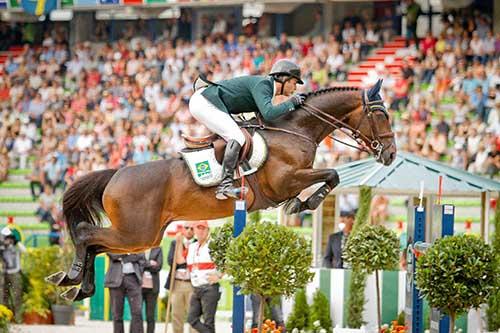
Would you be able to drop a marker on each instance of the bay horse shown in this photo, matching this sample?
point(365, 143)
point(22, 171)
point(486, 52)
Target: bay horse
point(141, 200)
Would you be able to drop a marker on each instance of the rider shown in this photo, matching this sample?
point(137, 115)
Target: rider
point(212, 104)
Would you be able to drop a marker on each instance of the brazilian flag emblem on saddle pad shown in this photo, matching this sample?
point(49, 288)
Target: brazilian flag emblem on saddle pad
point(203, 169)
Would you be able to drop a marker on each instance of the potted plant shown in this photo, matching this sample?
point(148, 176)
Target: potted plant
point(36, 262)
point(356, 300)
point(62, 310)
point(269, 260)
point(457, 273)
point(372, 248)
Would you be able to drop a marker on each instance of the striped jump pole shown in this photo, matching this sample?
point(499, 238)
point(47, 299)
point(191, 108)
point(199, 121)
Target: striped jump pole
point(240, 218)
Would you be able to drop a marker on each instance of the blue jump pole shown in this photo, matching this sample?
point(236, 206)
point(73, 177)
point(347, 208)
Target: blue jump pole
point(414, 309)
point(240, 218)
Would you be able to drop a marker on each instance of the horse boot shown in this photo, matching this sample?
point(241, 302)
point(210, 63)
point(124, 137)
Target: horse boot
point(226, 187)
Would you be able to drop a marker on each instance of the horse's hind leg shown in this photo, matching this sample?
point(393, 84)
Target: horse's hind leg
point(75, 274)
point(87, 287)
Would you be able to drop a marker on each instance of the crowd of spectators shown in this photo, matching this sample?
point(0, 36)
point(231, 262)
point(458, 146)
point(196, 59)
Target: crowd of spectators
point(66, 110)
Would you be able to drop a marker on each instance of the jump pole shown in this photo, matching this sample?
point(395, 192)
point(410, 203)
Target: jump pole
point(443, 225)
point(240, 218)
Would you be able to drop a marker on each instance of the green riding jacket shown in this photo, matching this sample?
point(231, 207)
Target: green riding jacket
point(247, 94)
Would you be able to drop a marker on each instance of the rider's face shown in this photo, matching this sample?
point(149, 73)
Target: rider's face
point(290, 87)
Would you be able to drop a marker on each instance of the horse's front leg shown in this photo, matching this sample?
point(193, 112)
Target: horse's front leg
point(308, 177)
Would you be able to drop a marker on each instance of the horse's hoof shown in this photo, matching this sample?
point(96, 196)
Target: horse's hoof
point(293, 206)
point(234, 193)
point(56, 278)
point(71, 294)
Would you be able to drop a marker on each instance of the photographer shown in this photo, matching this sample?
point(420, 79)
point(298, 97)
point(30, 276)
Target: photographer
point(13, 284)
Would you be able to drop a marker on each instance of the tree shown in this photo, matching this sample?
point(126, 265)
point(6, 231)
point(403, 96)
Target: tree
point(269, 260)
point(299, 318)
point(457, 273)
point(320, 310)
point(356, 300)
point(220, 238)
point(370, 249)
point(493, 310)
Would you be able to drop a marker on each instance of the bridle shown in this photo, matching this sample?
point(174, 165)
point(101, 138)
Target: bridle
point(375, 144)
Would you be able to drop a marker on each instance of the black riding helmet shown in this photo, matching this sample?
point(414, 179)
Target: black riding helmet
point(288, 68)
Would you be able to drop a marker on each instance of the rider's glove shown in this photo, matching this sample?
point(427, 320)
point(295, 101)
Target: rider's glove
point(298, 100)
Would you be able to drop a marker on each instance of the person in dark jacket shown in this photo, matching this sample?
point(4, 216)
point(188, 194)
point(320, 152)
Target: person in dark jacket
point(124, 278)
point(212, 104)
point(151, 284)
point(336, 241)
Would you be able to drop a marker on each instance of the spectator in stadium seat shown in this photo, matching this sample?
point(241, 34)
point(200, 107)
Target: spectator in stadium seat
point(53, 172)
point(22, 149)
point(478, 101)
point(413, 11)
point(36, 179)
point(47, 201)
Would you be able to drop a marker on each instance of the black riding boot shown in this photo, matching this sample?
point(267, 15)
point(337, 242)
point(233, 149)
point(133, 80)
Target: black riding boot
point(226, 188)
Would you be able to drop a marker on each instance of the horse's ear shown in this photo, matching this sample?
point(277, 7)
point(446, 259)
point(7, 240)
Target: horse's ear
point(373, 91)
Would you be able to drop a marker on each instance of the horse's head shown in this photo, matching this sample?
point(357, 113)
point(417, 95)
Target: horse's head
point(371, 123)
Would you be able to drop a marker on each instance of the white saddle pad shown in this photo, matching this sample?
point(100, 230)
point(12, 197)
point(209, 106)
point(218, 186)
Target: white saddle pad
point(205, 169)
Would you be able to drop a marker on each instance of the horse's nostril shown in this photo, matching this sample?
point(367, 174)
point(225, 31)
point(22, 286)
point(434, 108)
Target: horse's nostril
point(393, 156)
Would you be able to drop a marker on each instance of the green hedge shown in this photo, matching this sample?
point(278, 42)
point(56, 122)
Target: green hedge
point(19, 172)
point(14, 185)
point(21, 213)
point(31, 226)
point(24, 199)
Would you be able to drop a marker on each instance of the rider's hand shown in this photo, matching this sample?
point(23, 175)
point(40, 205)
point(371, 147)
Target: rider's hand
point(298, 100)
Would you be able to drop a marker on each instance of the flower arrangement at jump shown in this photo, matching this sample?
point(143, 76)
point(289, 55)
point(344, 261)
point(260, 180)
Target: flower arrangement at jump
point(5, 318)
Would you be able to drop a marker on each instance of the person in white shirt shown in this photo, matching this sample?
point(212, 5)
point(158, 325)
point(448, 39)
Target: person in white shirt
point(22, 148)
point(182, 288)
point(205, 280)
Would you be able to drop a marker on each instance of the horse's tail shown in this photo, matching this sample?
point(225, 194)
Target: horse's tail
point(82, 202)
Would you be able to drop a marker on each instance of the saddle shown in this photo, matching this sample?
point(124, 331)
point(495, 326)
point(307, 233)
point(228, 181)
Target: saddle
point(219, 144)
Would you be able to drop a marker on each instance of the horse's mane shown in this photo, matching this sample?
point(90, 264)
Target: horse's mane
point(331, 89)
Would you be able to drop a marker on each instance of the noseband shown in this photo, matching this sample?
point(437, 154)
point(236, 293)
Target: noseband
point(375, 144)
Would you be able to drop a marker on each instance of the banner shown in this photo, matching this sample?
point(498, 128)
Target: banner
point(85, 3)
point(133, 2)
point(38, 7)
point(14, 4)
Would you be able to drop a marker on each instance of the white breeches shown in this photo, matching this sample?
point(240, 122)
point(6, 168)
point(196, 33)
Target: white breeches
point(214, 119)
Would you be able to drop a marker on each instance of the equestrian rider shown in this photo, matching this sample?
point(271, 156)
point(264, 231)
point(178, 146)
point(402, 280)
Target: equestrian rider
point(213, 104)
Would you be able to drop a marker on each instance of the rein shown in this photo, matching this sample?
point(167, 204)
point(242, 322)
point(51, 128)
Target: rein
point(369, 108)
point(375, 147)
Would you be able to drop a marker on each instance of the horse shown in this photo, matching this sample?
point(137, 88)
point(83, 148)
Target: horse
point(141, 200)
